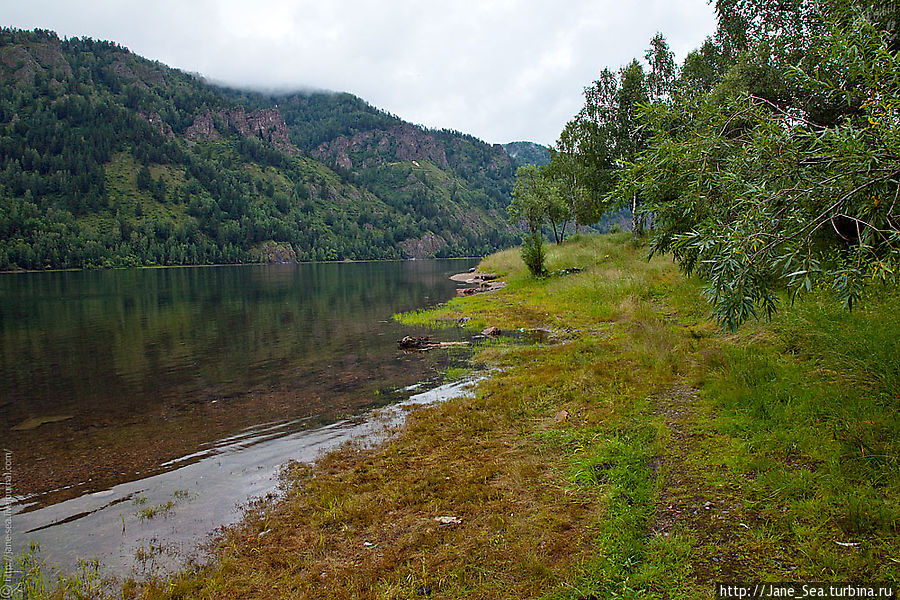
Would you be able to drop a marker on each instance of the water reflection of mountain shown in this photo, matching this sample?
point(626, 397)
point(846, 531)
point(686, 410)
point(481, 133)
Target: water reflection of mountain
point(152, 362)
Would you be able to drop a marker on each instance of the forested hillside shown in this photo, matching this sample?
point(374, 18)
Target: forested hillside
point(108, 159)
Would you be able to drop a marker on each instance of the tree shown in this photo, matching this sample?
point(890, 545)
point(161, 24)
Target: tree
point(607, 135)
point(567, 172)
point(759, 190)
point(531, 198)
point(591, 138)
point(661, 78)
point(701, 71)
point(536, 200)
point(631, 138)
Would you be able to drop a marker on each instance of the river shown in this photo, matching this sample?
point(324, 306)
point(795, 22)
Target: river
point(141, 409)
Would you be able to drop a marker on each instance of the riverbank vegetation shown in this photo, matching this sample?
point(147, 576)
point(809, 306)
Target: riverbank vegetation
point(633, 449)
point(769, 160)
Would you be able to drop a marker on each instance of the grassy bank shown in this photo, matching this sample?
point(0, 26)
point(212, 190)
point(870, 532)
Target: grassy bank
point(771, 454)
point(630, 449)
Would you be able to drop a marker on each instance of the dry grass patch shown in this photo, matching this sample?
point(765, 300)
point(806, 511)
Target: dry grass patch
point(364, 523)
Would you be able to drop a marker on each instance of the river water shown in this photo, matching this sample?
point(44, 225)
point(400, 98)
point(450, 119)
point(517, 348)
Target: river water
point(141, 409)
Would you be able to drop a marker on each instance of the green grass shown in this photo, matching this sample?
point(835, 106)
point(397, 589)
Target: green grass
point(163, 509)
point(809, 411)
point(455, 373)
point(151, 512)
point(25, 577)
point(786, 444)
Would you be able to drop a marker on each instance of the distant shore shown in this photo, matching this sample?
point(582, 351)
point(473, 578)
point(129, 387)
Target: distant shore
point(247, 264)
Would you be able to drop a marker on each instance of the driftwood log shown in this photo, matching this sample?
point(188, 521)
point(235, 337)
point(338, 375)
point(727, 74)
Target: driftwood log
point(420, 344)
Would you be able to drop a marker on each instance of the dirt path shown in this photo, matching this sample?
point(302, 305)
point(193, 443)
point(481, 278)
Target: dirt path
point(689, 502)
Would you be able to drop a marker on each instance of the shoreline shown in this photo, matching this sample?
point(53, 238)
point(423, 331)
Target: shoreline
point(251, 264)
point(171, 522)
point(636, 448)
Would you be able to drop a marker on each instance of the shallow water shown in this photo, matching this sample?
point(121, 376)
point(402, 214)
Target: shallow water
point(154, 525)
point(175, 394)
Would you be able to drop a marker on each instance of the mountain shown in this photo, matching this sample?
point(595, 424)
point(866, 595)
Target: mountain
point(108, 159)
point(527, 153)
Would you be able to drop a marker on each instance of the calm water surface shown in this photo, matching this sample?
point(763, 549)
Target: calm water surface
point(122, 391)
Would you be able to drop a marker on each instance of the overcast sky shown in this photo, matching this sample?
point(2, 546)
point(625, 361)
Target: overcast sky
point(502, 70)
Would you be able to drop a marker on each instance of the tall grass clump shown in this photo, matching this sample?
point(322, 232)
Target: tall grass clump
point(27, 577)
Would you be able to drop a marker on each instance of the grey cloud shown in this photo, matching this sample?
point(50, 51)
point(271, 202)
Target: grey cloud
point(502, 70)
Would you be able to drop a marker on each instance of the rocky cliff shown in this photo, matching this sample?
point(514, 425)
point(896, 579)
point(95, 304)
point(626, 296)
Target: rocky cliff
point(426, 246)
point(266, 124)
point(403, 142)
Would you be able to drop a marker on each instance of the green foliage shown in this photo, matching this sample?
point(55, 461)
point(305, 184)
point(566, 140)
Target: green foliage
point(768, 163)
point(607, 133)
point(702, 69)
point(568, 173)
point(588, 142)
point(661, 78)
point(536, 200)
point(533, 254)
point(785, 175)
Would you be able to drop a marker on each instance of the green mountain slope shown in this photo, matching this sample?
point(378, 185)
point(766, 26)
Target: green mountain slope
point(527, 153)
point(109, 159)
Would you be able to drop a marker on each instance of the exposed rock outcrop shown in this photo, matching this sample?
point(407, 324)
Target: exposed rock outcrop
point(481, 282)
point(399, 143)
point(423, 247)
point(26, 61)
point(274, 253)
point(266, 124)
point(158, 124)
point(203, 128)
point(135, 71)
